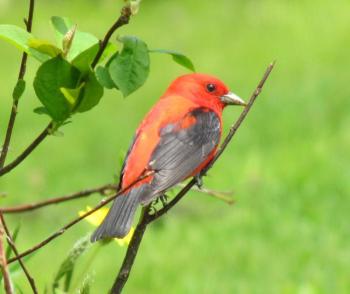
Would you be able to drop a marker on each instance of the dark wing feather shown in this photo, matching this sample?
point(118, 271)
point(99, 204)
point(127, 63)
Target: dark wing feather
point(181, 150)
point(126, 160)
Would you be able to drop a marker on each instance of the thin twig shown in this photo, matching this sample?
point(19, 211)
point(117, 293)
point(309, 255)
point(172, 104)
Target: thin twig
point(4, 264)
point(225, 196)
point(14, 248)
point(27, 151)
point(122, 20)
point(33, 206)
point(147, 218)
point(76, 220)
point(14, 109)
point(222, 195)
point(237, 124)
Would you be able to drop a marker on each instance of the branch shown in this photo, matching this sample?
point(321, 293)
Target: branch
point(131, 252)
point(147, 218)
point(123, 19)
point(13, 246)
point(77, 220)
point(27, 151)
point(22, 71)
point(237, 124)
point(221, 195)
point(33, 206)
point(3, 263)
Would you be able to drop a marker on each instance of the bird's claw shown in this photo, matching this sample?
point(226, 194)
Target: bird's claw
point(164, 199)
point(199, 181)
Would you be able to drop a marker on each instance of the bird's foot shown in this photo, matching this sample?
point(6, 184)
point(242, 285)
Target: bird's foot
point(199, 181)
point(164, 199)
point(153, 209)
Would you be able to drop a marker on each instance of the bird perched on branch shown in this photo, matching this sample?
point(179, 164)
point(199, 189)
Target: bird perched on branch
point(176, 140)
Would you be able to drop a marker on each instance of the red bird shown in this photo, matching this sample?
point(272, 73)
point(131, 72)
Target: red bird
point(176, 140)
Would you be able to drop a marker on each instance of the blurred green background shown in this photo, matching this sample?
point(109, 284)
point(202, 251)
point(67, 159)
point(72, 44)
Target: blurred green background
point(289, 230)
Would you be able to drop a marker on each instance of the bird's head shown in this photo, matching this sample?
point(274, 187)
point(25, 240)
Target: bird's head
point(204, 90)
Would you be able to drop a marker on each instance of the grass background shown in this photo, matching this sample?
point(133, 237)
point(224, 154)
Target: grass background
point(288, 165)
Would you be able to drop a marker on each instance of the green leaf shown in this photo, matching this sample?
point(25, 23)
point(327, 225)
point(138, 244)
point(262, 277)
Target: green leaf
point(72, 95)
point(51, 76)
point(130, 68)
point(44, 47)
point(15, 36)
point(177, 57)
point(92, 94)
point(114, 56)
point(81, 41)
point(41, 110)
point(67, 267)
point(61, 25)
point(21, 39)
point(18, 89)
point(104, 78)
point(84, 59)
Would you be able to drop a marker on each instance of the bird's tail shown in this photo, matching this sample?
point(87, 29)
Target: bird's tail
point(118, 221)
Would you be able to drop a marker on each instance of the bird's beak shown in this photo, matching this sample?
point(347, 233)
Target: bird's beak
point(232, 99)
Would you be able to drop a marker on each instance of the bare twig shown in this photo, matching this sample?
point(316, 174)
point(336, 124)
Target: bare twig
point(27, 151)
point(222, 195)
point(237, 124)
point(3, 263)
point(14, 109)
point(14, 248)
point(122, 20)
point(147, 218)
point(225, 196)
point(33, 206)
point(76, 220)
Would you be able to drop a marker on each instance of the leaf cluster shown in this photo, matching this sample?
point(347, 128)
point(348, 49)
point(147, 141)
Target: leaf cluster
point(66, 83)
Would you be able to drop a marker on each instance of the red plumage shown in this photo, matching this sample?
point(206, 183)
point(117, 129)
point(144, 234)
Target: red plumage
point(176, 139)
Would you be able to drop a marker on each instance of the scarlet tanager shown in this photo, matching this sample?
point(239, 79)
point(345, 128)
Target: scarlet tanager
point(176, 140)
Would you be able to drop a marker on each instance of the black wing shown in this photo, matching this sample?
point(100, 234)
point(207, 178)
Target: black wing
point(181, 150)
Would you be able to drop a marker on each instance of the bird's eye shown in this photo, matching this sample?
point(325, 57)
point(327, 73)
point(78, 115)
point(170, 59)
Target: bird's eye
point(211, 87)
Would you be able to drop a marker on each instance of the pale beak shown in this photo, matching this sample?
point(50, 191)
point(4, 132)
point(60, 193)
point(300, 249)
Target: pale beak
point(232, 99)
